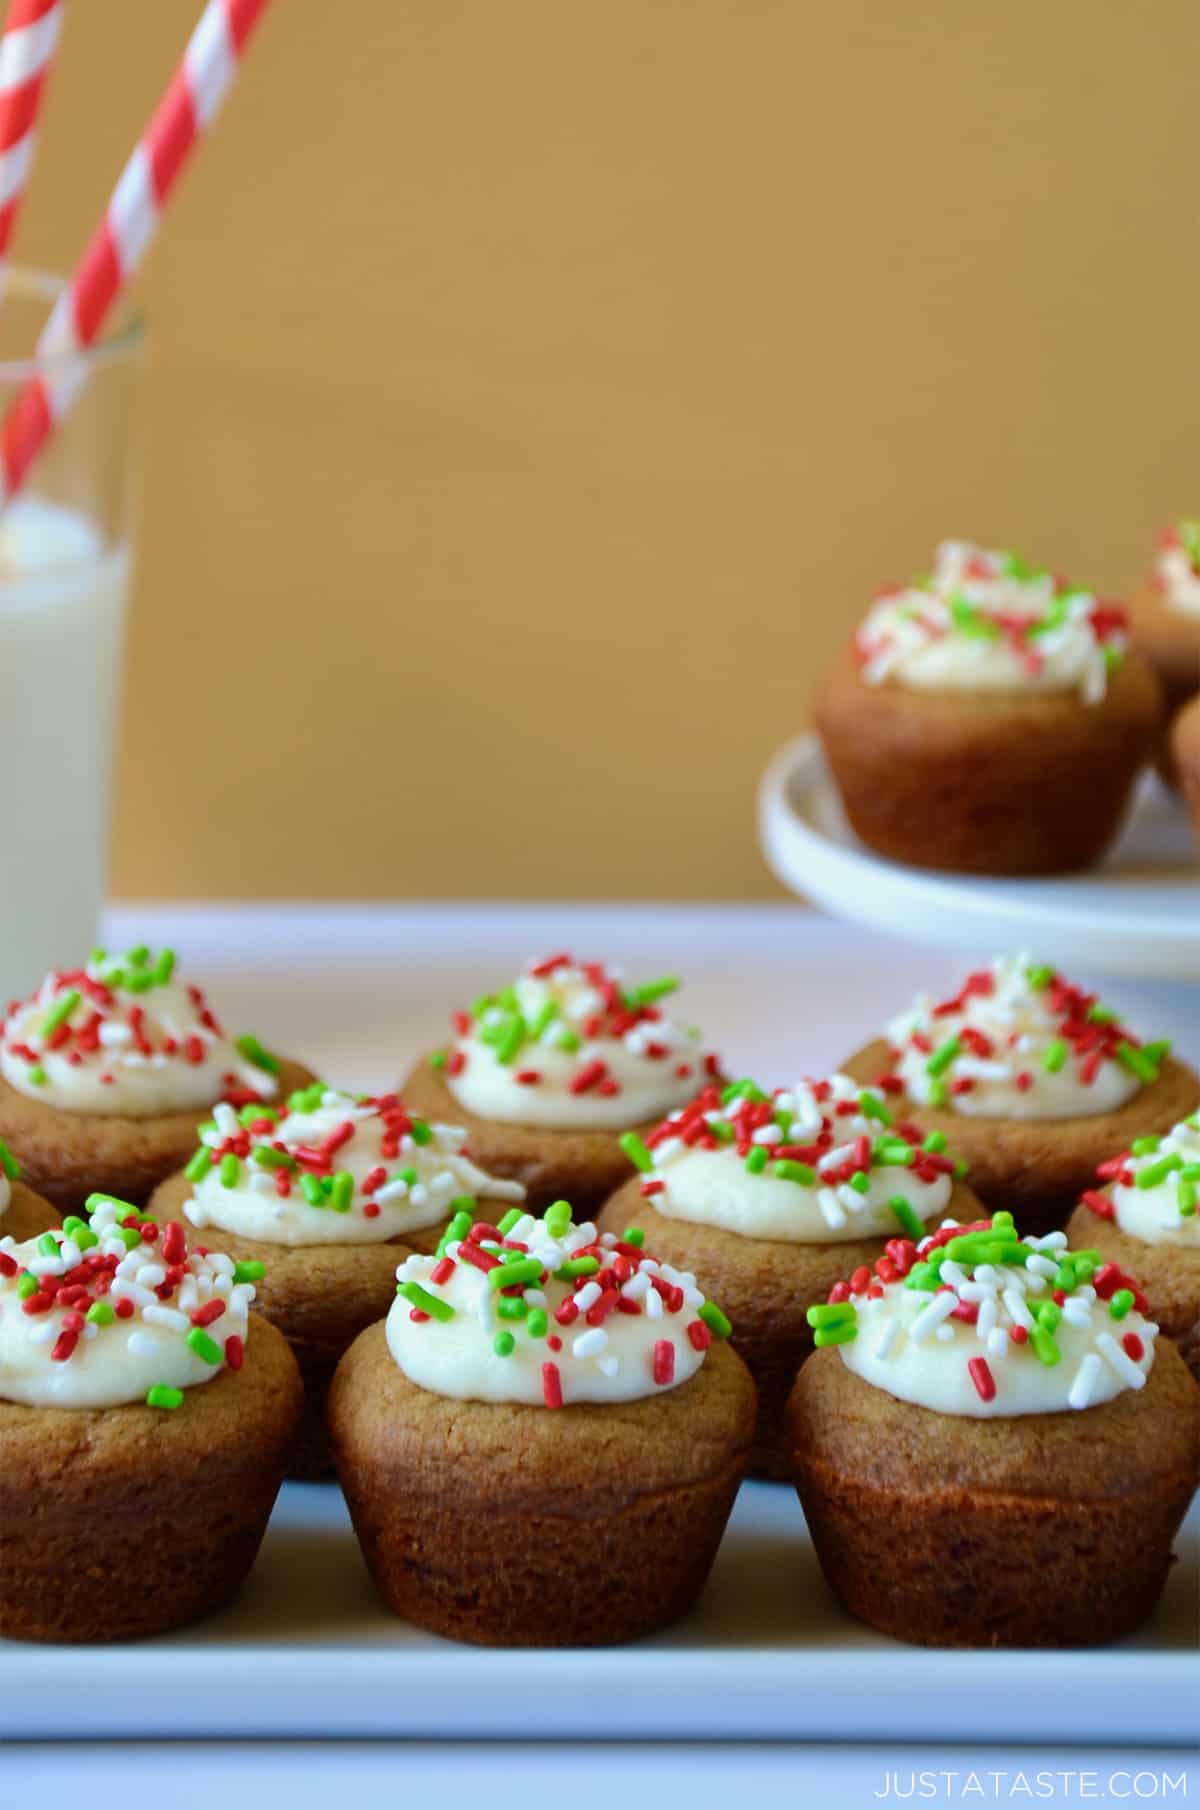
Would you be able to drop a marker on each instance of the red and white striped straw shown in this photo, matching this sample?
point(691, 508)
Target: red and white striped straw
point(125, 232)
point(26, 53)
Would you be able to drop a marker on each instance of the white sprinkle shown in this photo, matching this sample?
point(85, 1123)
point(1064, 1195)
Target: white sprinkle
point(997, 1343)
point(831, 1212)
point(887, 1343)
point(590, 1343)
point(587, 1296)
point(1018, 1313)
point(158, 1315)
point(931, 1317)
point(1083, 1384)
point(1120, 1361)
point(142, 1344)
point(608, 1366)
point(654, 1305)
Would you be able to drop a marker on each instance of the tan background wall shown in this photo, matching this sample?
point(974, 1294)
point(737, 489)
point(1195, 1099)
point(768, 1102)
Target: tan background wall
point(540, 389)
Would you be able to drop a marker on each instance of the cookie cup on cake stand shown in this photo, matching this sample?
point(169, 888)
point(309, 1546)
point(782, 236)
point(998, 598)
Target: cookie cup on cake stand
point(108, 1070)
point(994, 1463)
point(769, 1199)
point(546, 1075)
point(142, 1433)
point(989, 721)
point(1142, 1217)
point(320, 1200)
point(1164, 626)
point(23, 1214)
point(1032, 1080)
point(550, 1474)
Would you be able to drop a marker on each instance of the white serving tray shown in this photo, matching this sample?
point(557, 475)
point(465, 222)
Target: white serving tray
point(1138, 914)
point(308, 1650)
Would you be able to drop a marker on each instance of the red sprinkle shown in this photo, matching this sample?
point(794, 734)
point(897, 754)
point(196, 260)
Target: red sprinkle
point(552, 1386)
point(699, 1334)
point(1099, 1203)
point(664, 1362)
point(981, 1376)
point(235, 1351)
point(1133, 1346)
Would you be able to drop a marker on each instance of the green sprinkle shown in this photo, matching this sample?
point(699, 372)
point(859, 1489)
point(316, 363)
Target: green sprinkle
point(1144, 1146)
point(1047, 1314)
point(438, 1059)
point(871, 1107)
point(788, 1171)
point(342, 1192)
point(201, 1163)
point(633, 1235)
point(937, 1093)
point(525, 1269)
point(1039, 978)
point(925, 1277)
point(420, 1132)
point(408, 1176)
point(307, 1099)
point(511, 1307)
point(578, 1266)
point(756, 1160)
point(568, 1040)
point(26, 1285)
point(831, 1313)
point(968, 621)
point(1121, 1303)
point(139, 955)
point(636, 1151)
point(94, 1201)
point(1043, 1345)
point(268, 1158)
point(1139, 1062)
point(312, 1190)
point(47, 1244)
point(1098, 1014)
point(230, 1170)
point(426, 1303)
point(503, 1344)
point(722, 1131)
point(9, 1163)
point(910, 1223)
point(160, 1396)
point(743, 1090)
point(650, 990)
point(543, 1019)
point(483, 1004)
point(1185, 1197)
point(1055, 1057)
point(557, 1218)
point(1153, 1173)
point(512, 1036)
point(251, 1271)
point(715, 1320)
point(100, 1314)
point(60, 1011)
point(164, 967)
point(456, 1231)
point(893, 1153)
point(72, 1224)
point(537, 1325)
point(860, 1181)
point(511, 1218)
point(840, 1334)
point(942, 1057)
point(935, 1142)
point(205, 1347)
point(37, 1075)
point(253, 1051)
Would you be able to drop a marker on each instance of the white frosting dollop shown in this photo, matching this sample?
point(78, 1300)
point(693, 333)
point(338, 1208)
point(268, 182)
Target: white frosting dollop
point(985, 1338)
point(618, 1327)
point(817, 1163)
point(1177, 569)
point(332, 1170)
point(1158, 1203)
point(123, 1037)
point(568, 1046)
point(1019, 1042)
point(983, 621)
point(140, 1314)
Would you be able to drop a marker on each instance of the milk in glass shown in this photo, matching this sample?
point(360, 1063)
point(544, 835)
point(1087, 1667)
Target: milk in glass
point(62, 602)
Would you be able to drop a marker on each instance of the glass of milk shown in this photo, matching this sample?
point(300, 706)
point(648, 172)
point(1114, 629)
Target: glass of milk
point(64, 576)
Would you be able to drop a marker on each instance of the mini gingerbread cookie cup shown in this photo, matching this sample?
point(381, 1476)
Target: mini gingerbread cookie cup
point(546, 1075)
point(1053, 1452)
point(142, 1442)
point(547, 1501)
point(768, 1199)
point(1032, 1080)
point(108, 1070)
point(989, 720)
point(1142, 1217)
point(320, 1202)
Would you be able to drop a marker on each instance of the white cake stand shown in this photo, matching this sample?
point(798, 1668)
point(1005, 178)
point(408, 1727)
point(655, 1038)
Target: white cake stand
point(1136, 915)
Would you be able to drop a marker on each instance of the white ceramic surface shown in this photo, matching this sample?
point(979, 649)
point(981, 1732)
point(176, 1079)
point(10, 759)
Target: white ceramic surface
point(1138, 914)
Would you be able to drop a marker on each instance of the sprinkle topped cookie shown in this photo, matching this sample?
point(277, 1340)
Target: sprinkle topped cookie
point(1177, 568)
point(569, 1044)
point(1017, 1041)
point(123, 1036)
point(117, 1310)
point(1155, 1187)
point(987, 621)
point(975, 1320)
point(332, 1169)
point(817, 1163)
point(547, 1312)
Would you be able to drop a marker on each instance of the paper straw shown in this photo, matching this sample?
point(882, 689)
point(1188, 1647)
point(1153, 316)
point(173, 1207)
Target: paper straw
point(125, 232)
point(26, 53)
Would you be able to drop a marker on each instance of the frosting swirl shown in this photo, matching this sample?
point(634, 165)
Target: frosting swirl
point(568, 1045)
point(977, 1321)
point(985, 621)
point(818, 1163)
point(332, 1169)
point(124, 1036)
point(1018, 1042)
point(1155, 1188)
point(1177, 568)
point(586, 1316)
point(116, 1311)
